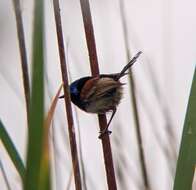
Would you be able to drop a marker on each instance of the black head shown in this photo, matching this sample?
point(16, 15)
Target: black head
point(75, 89)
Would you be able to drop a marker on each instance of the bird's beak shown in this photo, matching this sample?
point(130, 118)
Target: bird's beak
point(63, 96)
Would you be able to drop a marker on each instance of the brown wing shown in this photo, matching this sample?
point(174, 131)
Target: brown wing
point(89, 88)
point(106, 96)
point(103, 87)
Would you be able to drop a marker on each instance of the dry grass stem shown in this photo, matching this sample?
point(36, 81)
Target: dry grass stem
point(71, 130)
point(23, 53)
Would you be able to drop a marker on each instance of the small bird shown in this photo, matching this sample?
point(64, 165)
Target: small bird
point(100, 94)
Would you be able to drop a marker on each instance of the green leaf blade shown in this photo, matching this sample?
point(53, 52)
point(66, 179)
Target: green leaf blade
point(187, 155)
point(37, 176)
point(12, 151)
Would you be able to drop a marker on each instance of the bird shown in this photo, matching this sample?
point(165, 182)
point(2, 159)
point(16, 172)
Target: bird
point(100, 94)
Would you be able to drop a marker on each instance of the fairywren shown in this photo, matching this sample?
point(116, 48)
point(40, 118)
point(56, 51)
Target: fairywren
point(99, 94)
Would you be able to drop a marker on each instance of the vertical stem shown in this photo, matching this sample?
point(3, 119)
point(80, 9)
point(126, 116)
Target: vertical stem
point(23, 54)
point(71, 130)
point(134, 102)
point(90, 39)
point(4, 176)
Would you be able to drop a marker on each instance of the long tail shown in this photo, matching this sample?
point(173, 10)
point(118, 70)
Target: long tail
point(133, 60)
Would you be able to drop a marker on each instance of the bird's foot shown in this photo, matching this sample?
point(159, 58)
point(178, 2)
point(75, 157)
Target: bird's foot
point(104, 132)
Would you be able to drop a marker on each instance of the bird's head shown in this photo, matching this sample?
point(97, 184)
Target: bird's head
point(75, 90)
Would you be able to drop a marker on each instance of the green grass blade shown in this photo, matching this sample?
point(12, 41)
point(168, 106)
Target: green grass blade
point(12, 151)
point(33, 180)
point(187, 156)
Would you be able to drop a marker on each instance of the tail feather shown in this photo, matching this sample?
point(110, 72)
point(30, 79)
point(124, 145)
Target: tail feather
point(133, 60)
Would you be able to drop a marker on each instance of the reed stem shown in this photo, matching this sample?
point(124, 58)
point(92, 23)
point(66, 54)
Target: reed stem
point(71, 130)
point(90, 39)
point(23, 54)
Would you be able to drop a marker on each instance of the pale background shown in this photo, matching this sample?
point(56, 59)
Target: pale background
point(164, 30)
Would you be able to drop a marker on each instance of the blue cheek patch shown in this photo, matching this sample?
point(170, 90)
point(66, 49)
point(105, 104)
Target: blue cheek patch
point(73, 89)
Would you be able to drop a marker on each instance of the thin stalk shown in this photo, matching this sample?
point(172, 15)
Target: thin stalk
point(90, 39)
point(138, 134)
point(23, 54)
point(71, 130)
point(81, 160)
point(5, 176)
point(134, 102)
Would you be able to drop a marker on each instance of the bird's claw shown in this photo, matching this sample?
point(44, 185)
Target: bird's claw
point(104, 132)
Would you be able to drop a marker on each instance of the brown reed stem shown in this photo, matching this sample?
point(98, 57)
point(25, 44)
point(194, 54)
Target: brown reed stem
point(23, 54)
point(134, 102)
point(71, 130)
point(90, 39)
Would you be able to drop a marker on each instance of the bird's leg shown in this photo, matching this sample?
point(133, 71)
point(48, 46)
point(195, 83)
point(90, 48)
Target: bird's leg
point(106, 131)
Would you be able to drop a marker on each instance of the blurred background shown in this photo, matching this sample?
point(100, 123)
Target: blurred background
point(163, 30)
